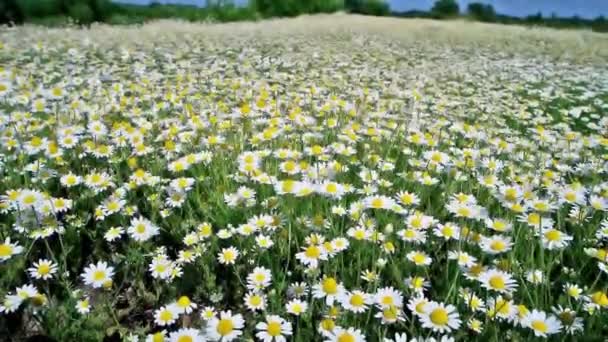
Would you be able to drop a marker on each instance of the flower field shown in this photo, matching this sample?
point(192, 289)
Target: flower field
point(326, 178)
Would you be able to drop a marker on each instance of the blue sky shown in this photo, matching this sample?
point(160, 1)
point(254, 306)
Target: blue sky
point(583, 8)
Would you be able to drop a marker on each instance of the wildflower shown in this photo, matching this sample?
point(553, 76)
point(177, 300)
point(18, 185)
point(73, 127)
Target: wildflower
point(225, 328)
point(185, 305)
point(329, 289)
point(498, 281)
point(142, 230)
point(166, 315)
point(187, 334)
point(43, 269)
point(98, 275)
point(259, 279)
point(541, 323)
point(274, 328)
point(340, 334)
point(83, 306)
point(296, 307)
point(228, 256)
point(355, 301)
point(440, 317)
point(8, 249)
point(255, 301)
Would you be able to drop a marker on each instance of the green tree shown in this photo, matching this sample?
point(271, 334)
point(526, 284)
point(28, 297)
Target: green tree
point(481, 12)
point(370, 7)
point(445, 8)
point(10, 12)
point(81, 13)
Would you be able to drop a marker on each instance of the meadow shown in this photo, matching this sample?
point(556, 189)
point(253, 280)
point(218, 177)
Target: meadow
point(322, 178)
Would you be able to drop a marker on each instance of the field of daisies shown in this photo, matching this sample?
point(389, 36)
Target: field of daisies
point(332, 178)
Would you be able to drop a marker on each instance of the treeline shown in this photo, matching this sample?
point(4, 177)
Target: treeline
point(447, 9)
point(84, 12)
point(59, 12)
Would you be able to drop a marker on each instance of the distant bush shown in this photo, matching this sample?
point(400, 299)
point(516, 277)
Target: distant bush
point(290, 8)
point(81, 13)
point(120, 19)
point(369, 7)
point(53, 21)
point(445, 9)
point(39, 8)
point(481, 12)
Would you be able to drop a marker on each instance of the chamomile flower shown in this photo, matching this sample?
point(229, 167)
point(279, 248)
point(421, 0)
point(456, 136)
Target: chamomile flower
point(498, 281)
point(296, 307)
point(43, 269)
point(83, 306)
point(355, 301)
point(8, 249)
point(255, 301)
point(274, 328)
point(185, 305)
point(554, 239)
point(166, 315)
point(187, 334)
point(226, 327)
point(98, 275)
point(228, 256)
point(340, 334)
point(142, 229)
point(541, 324)
point(496, 244)
point(440, 317)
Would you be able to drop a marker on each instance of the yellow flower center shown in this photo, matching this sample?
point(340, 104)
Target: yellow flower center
point(225, 327)
point(539, 325)
point(44, 269)
point(377, 203)
point(553, 235)
point(497, 282)
point(331, 188)
point(600, 298)
point(255, 300)
point(534, 219)
point(183, 301)
point(5, 250)
point(141, 228)
point(356, 300)
point(439, 316)
point(99, 275)
point(166, 315)
point(274, 329)
point(29, 199)
point(464, 211)
point(330, 286)
point(159, 337)
point(312, 252)
point(420, 307)
point(418, 258)
point(498, 245)
point(387, 300)
point(346, 337)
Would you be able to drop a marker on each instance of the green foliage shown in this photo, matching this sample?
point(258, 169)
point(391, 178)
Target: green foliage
point(81, 13)
point(481, 12)
point(369, 7)
point(445, 9)
point(290, 8)
point(52, 21)
point(39, 8)
point(64, 323)
point(10, 12)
